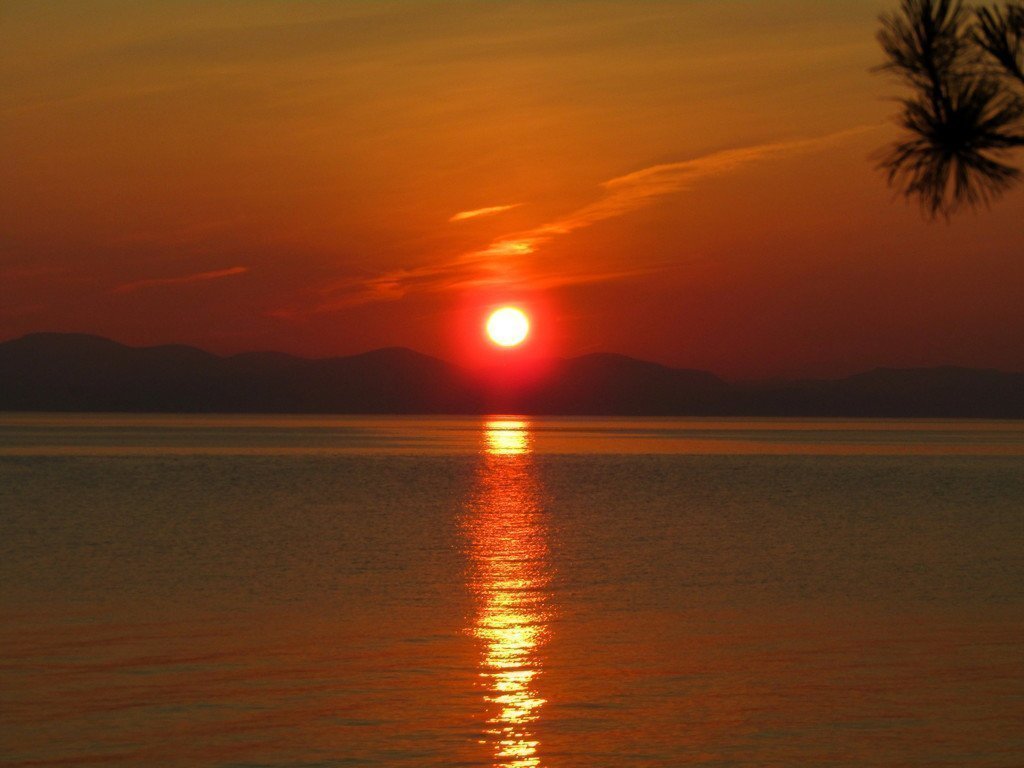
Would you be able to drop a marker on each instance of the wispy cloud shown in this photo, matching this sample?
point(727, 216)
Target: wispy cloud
point(197, 277)
point(507, 259)
point(491, 211)
point(628, 193)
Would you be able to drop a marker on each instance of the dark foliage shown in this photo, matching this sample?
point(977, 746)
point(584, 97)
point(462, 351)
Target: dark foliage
point(1000, 33)
point(966, 108)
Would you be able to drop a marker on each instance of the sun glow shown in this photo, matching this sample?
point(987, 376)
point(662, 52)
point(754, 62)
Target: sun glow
point(508, 326)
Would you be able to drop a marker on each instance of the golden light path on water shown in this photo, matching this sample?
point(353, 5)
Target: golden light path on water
point(509, 578)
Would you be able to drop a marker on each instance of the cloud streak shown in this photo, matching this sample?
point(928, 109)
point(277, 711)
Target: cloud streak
point(475, 214)
point(507, 259)
point(198, 277)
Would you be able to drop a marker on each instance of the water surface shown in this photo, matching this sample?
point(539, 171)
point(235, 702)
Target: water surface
point(305, 591)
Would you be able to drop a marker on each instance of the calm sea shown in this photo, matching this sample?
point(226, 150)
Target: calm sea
point(303, 591)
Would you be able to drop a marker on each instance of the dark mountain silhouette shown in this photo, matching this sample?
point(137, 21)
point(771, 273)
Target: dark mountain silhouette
point(615, 384)
point(70, 372)
point(75, 372)
point(894, 392)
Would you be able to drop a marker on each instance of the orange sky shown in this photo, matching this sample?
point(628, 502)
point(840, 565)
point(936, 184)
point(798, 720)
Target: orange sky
point(684, 181)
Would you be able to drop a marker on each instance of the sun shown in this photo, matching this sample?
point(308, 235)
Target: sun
point(508, 326)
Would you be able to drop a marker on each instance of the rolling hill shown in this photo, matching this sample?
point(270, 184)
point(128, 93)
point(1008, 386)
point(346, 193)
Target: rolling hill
point(76, 372)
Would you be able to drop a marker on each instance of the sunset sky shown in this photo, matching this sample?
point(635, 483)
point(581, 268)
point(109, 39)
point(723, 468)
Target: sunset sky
point(689, 182)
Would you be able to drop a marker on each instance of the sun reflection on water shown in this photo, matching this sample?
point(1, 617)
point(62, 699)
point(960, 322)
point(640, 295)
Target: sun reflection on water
point(509, 577)
point(506, 438)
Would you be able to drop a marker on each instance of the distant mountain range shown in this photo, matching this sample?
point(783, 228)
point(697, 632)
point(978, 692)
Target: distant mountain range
point(76, 372)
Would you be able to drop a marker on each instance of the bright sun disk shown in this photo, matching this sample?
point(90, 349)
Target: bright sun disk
point(508, 326)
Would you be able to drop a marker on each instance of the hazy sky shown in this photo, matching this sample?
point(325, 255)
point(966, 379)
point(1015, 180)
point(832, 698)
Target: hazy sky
point(689, 182)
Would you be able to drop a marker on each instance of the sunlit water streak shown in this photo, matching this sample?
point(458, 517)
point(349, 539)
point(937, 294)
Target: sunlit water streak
point(509, 577)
